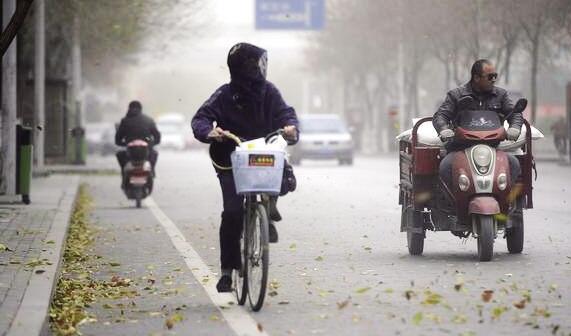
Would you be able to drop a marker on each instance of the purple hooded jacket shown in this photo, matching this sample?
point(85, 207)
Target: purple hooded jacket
point(249, 114)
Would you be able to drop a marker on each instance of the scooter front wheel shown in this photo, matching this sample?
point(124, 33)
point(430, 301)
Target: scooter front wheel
point(486, 233)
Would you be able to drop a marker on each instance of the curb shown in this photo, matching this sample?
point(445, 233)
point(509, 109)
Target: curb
point(75, 170)
point(32, 315)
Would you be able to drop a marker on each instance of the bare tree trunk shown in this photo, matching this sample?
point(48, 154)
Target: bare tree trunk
point(39, 81)
point(534, 70)
point(507, 63)
point(9, 106)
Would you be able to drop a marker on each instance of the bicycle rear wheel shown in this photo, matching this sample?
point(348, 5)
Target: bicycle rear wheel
point(240, 276)
point(258, 257)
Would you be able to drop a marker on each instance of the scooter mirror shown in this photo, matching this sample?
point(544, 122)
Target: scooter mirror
point(520, 105)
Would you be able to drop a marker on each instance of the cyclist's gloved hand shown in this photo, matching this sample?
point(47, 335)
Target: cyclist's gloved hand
point(513, 133)
point(217, 134)
point(446, 135)
point(290, 132)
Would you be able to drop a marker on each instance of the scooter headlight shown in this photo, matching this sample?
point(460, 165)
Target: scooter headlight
point(463, 182)
point(502, 181)
point(482, 157)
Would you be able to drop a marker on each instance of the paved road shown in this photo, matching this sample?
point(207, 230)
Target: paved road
point(341, 266)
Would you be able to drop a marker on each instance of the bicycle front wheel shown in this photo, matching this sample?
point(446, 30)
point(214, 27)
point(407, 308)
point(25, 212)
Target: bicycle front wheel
point(240, 276)
point(258, 257)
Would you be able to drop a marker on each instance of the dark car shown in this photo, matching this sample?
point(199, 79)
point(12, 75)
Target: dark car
point(323, 136)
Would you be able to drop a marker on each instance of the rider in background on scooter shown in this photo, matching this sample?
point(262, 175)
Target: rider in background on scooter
point(250, 107)
point(136, 125)
point(486, 96)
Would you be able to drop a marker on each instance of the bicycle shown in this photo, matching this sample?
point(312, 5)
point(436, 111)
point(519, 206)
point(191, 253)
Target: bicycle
point(257, 175)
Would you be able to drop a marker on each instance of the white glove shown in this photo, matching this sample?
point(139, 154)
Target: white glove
point(446, 135)
point(513, 133)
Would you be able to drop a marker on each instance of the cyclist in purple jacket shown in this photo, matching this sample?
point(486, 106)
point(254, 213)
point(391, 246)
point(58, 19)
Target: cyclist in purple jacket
point(249, 107)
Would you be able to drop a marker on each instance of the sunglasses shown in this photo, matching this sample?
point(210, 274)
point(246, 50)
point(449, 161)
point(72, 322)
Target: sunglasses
point(491, 76)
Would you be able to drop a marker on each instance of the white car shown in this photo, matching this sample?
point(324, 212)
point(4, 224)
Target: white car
point(173, 128)
point(323, 136)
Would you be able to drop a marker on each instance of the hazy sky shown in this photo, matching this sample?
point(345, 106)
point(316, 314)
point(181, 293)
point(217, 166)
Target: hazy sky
point(184, 76)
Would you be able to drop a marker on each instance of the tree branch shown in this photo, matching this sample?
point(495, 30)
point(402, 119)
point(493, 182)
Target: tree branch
point(15, 24)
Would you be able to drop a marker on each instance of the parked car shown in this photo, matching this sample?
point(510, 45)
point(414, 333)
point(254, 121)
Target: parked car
point(173, 128)
point(323, 136)
point(100, 138)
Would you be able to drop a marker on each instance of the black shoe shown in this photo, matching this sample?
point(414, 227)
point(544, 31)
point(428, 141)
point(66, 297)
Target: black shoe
point(274, 213)
point(273, 233)
point(224, 285)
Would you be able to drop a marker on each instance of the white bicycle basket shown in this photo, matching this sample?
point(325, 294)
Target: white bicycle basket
point(258, 171)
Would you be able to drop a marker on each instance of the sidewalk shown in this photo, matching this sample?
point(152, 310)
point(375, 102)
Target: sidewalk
point(32, 238)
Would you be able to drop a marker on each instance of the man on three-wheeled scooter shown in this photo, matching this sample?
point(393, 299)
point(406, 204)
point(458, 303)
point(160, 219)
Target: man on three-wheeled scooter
point(468, 184)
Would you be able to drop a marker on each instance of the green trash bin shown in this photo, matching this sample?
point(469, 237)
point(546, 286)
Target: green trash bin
point(24, 161)
point(79, 145)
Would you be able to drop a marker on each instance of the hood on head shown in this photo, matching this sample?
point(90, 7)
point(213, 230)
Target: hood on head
point(135, 108)
point(247, 62)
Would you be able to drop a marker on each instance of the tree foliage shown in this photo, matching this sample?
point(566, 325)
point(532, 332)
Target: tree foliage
point(111, 31)
point(363, 39)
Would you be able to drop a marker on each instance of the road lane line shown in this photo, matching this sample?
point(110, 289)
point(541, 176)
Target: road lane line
point(238, 319)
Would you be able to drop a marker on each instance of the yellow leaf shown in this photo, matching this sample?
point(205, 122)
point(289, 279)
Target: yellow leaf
point(417, 318)
point(362, 290)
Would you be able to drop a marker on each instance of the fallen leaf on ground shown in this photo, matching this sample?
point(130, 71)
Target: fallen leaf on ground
point(362, 290)
point(498, 311)
point(431, 298)
point(487, 295)
point(417, 318)
point(172, 320)
point(343, 304)
point(520, 304)
point(459, 319)
point(409, 294)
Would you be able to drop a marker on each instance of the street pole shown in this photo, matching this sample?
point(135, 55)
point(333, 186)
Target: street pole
point(400, 72)
point(9, 104)
point(39, 81)
point(77, 92)
point(569, 119)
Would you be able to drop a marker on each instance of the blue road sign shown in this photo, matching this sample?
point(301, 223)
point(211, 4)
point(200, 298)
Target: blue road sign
point(290, 14)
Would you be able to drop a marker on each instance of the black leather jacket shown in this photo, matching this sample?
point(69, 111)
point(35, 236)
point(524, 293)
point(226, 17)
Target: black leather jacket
point(497, 100)
point(136, 125)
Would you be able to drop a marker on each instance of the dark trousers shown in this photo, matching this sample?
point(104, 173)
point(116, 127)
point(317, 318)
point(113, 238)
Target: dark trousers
point(231, 223)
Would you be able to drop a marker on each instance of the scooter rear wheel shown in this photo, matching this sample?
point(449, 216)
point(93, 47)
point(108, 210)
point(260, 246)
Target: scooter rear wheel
point(413, 220)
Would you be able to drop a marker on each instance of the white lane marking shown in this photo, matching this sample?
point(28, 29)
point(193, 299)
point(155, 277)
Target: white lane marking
point(238, 319)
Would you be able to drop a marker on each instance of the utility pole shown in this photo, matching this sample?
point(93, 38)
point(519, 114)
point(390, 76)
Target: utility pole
point(9, 104)
point(400, 71)
point(39, 81)
point(569, 119)
point(77, 91)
